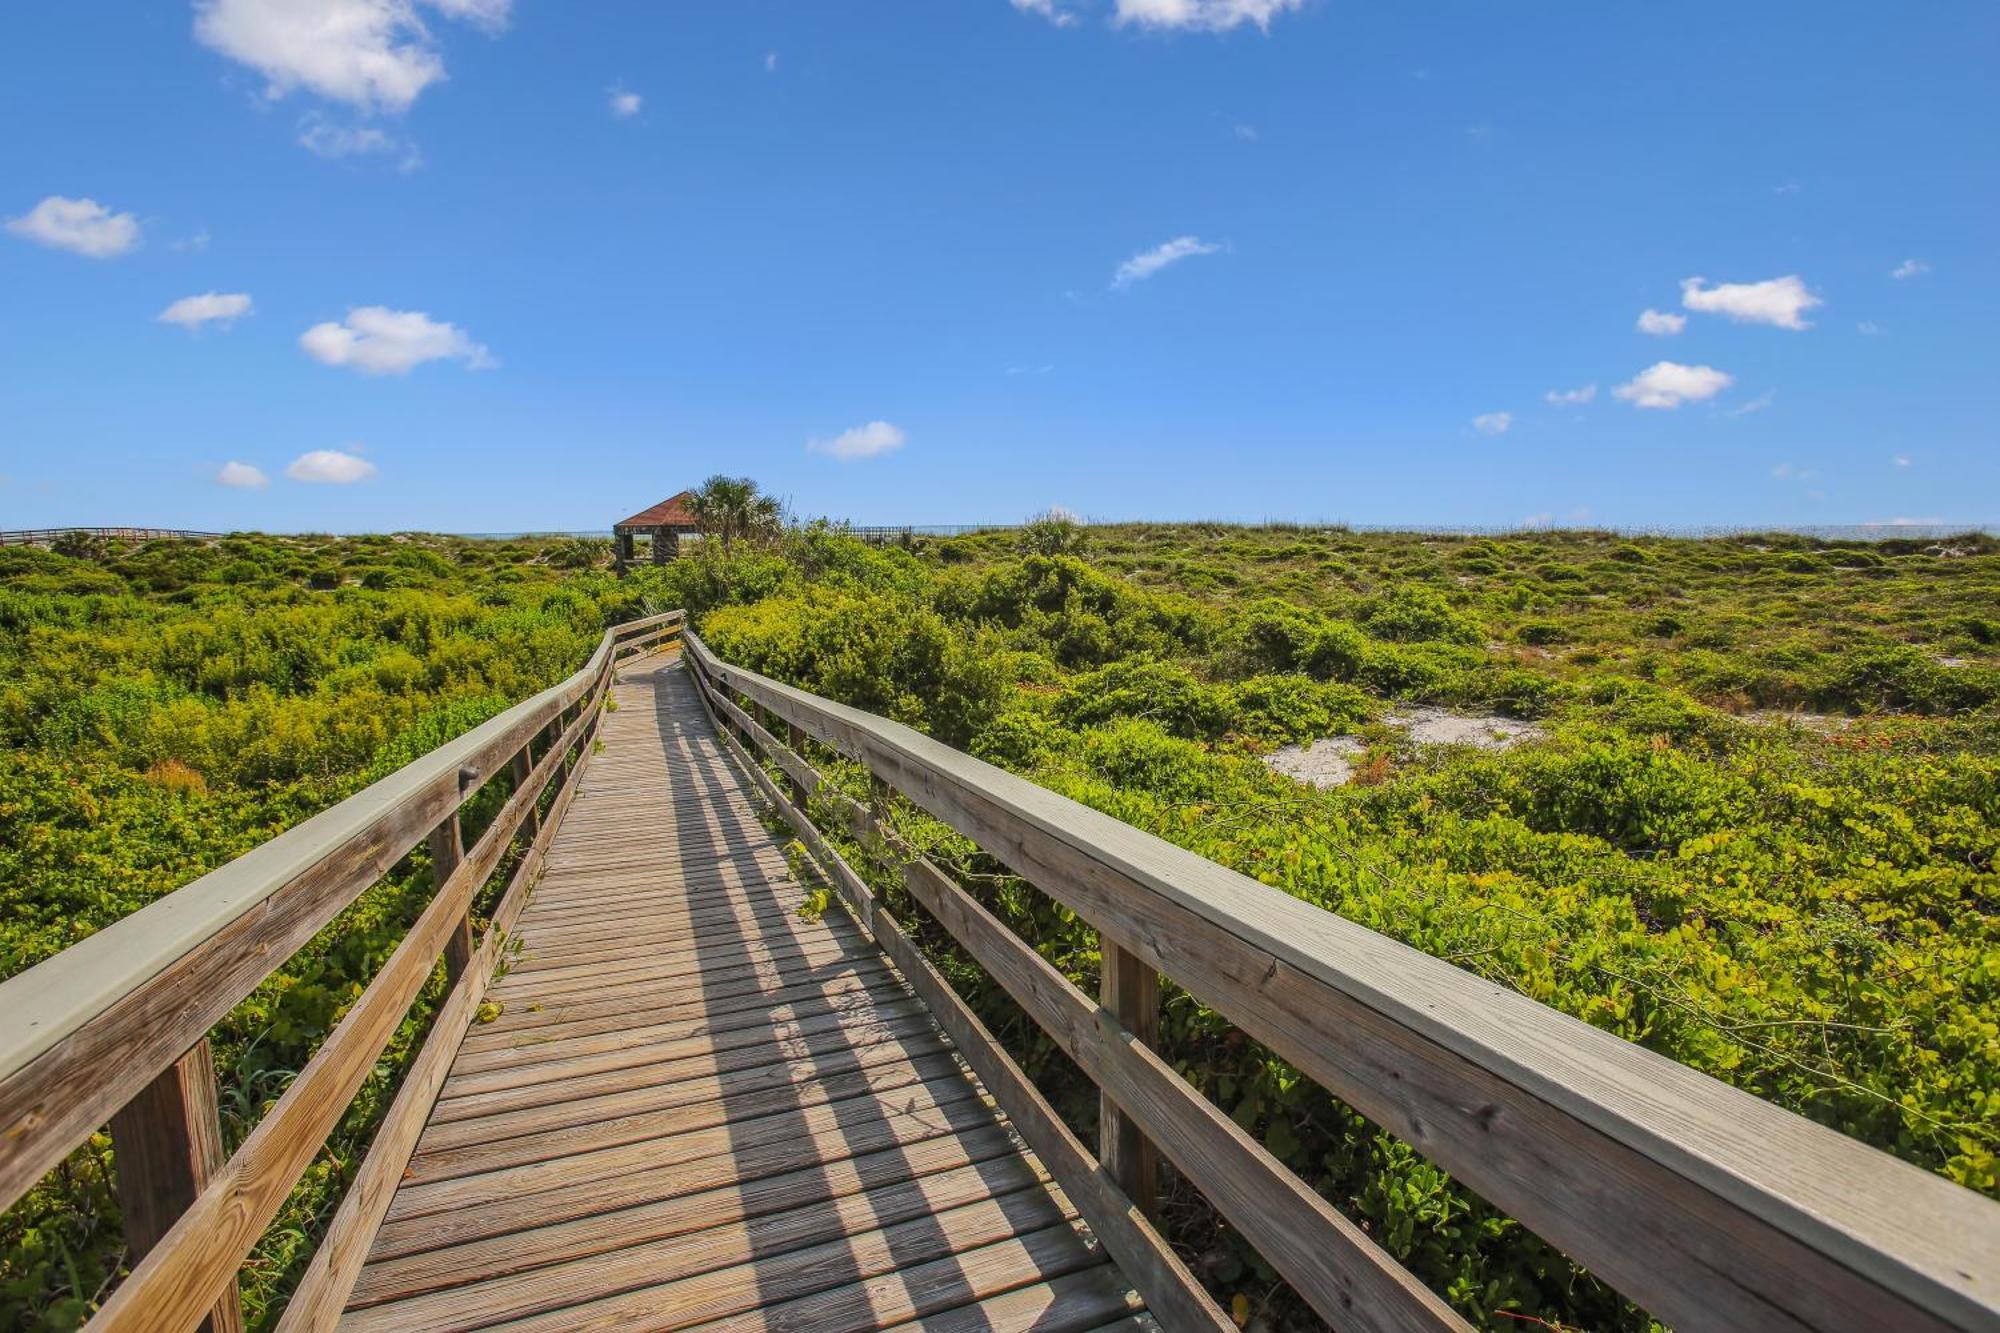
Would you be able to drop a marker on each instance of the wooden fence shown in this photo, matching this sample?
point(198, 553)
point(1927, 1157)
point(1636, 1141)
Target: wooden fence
point(43, 536)
point(116, 1027)
point(1707, 1206)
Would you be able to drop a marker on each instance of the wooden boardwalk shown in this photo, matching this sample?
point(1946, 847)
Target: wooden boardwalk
point(697, 1108)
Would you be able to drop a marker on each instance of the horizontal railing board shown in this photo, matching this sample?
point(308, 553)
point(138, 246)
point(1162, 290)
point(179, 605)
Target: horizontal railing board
point(1704, 1203)
point(84, 1031)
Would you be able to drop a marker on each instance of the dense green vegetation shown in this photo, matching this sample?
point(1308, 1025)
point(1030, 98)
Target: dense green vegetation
point(1756, 833)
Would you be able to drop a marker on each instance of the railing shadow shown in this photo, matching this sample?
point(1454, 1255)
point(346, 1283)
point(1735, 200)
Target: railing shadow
point(823, 1245)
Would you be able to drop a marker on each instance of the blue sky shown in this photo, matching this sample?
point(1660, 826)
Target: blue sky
point(536, 264)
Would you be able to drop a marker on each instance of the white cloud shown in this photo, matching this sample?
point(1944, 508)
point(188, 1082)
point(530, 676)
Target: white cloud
point(1049, 10)
point(1031, 370)
point(770, 62)
point(1869, 327)
point(1493, 423)
point(625, 105)
point(1145, 264)
point(1661, 324)
point(1901, 460)
point(83, 226)
point(1668, 384)
point(330, 467)
point(1777, 301)
point(379, 341)
point(1571, 397)
point(1757, 404)
point(1909, 268)
point(242, 476)
point(1793, 472)
point(191, 312)
point(373, 54)
point(877, 437)
point(1203, 15)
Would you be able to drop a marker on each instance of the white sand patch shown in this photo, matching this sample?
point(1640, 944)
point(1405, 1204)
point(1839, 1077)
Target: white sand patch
point(1436, 726)
point(1324, 763)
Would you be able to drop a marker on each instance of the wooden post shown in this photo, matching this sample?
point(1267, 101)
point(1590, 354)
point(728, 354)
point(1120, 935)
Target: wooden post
point(524, 764)
point(1130, 991)
point(447, 851)
point(167, 1144)
point(796, 734)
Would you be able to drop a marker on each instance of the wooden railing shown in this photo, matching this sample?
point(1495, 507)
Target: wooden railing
point(43, 536)
point(115, 1029)
point(1707, 1206)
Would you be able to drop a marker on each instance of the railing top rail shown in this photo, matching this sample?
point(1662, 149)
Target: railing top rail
point(1619, 1155)
point(113, 974)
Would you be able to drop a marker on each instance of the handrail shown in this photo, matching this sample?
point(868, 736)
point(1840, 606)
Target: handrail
point(1707, 1206)
point(34, 536)
point(87, 1031)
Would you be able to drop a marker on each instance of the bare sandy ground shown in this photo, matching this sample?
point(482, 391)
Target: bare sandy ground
point(1330, 762)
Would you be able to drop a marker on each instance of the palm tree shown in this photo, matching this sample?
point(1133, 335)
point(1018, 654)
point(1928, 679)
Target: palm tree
point(732, 507)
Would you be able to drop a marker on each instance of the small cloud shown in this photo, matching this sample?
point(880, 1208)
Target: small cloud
point(194, 244)
point(1901, 460)
point(1049, 10)
point(329, 139)
point(1145, 264)
point(1202, 15)
point(192, 312)
point(330, 467)
point(869, 441)
point(1775, 301)
point(1247, 133)
point(81, 226)
point(1668, 384)
point(243, 476)
point(1030, 370)
point(1571, 397)
point(1493, 423)
point(1869, 327)
point(1793, 472)
point(376, 340)
point(624, 105)
point(1786, 187)
point(1661, 324)
point(1909, 268)
point(1757, 404)
point(770, 62)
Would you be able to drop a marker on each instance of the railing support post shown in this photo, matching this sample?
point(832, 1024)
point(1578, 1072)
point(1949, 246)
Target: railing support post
point(167, 1144)
point(447, 852)
point(523, 765)
point(796, 734)
point(1130, 991)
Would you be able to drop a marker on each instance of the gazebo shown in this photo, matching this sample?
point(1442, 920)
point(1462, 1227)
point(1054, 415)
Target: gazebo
point(665, 524)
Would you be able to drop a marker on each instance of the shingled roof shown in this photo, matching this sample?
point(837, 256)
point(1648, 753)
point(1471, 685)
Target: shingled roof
point(672, 512)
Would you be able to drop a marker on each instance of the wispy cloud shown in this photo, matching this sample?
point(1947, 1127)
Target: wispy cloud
point(1148, 262)
point(376, 340)
point(770, 62)
point(1029, 370)
point(193, 312)
point(1049, 10)
point(1493, 423)
point(624, 105)
point(1776, 301)
point(1661, 324)
point(1901, 460)
point(869, 441)
point(1869, 327)
point(1202, 15)
point(1909, 268)
point(81, 226)
point(1571, 397)
point(1792, 472)
point(1757, 404)
point(1666, 385)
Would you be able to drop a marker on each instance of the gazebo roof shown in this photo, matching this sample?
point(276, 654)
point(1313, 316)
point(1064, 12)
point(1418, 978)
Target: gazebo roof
point(669, 513)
